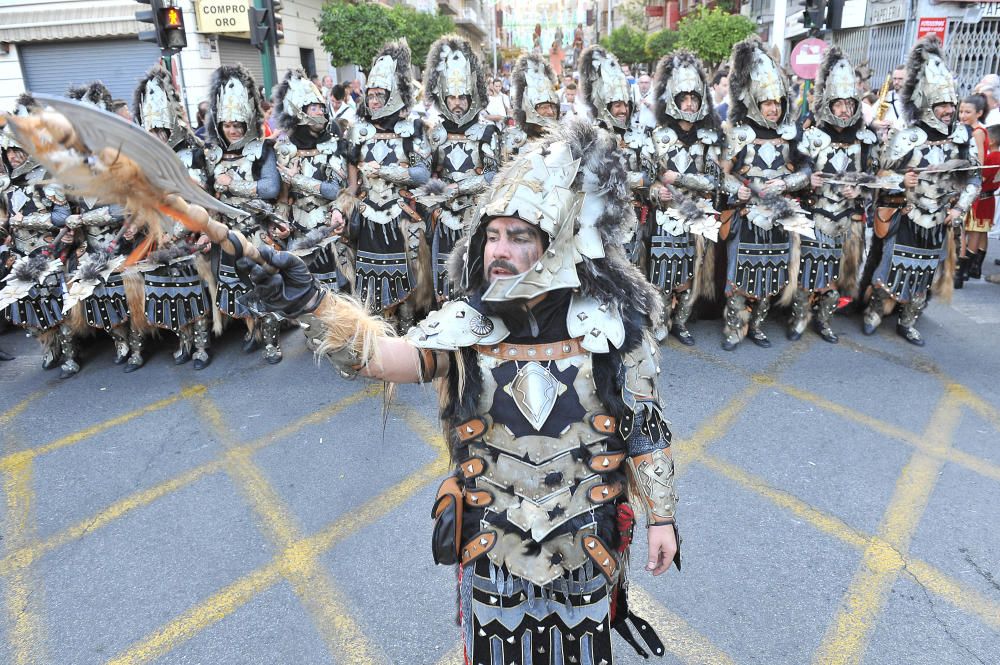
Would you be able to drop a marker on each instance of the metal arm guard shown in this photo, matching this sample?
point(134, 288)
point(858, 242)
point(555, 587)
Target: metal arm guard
point(244, 188)
point(653, 474)
point(34, 220)
point(304, 184)
point(341, 330)
point(696, 181)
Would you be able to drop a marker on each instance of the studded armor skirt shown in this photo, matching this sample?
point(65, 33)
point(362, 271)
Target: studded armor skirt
point(107, 307)
point(910, 256)
point(382, 270)
point(757, 260)
point(41, 309)
point(230, 289)
point(671, 260)
point(819, 265)
point(175, 295)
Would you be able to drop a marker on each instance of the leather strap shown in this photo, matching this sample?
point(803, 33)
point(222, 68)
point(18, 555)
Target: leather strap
point(606, 462)
point(555, 351)
point(605, 493)
point(473, 467)
point(604, 424)
point(482, 543)
point(601, 555)
point(478, 498)
point(470, 429)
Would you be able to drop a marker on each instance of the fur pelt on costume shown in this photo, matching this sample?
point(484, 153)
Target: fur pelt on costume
point(219, 77)
point(176, 105)
point(929, 45)
point(94, 92)
point(664, 70)
point(432, 75)
point(517, 81)
point(400, 52)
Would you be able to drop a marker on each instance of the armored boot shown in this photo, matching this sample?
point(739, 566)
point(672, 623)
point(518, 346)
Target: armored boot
point(269, 329)
point(185, 340)
point(734, 317)
point(201, 356)
point(135, 344)
point(800, 315)
point(67, 344)
point(824, 313)
point(909, 312)
point(757, 317)
point(250, 340)
point(976, 264)
point(962, 271)
point(50, 346)
point(119, 335)
point(662, 329)
point(405, 318)
point(873, 313)
point(681, 315)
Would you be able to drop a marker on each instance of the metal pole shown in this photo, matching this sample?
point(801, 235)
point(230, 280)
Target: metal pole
point(493, 35)
point(778, 29)
point(611, 4)
point(267, 62)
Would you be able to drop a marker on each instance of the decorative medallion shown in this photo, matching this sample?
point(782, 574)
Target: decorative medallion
point(481, 326)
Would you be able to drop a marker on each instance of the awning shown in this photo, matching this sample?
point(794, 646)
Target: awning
point(79, 20)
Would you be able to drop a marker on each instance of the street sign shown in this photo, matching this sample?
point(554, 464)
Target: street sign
point(218, 16)
point(807, 56)
point(932, 26)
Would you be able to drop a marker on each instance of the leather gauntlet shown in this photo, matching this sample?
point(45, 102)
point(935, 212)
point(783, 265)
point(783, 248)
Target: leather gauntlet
point(346, 358)
point(653, 475)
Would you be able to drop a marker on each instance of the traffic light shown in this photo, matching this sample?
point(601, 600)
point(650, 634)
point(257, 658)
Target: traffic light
point(152, 16)
point(168, 25)
point(276, 23)
point(260, 27)
point(814, 16)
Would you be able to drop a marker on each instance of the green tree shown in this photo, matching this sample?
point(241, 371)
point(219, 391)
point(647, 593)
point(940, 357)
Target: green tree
point(628, 45)
point(659, 44)
point(420, 29)
point(711, 34)
point(353, 33)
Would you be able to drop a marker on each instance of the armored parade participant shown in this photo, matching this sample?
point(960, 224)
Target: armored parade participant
point(763, 163)
point(548, 378)
point(535, 103)
point(841, 149)
point(391, 152)
point(313, 165)
point(241, 168)
point(34, 212)
point(608, 95)
point(687, 140)
point(177, 274)
point(465, 151)
point(938, 162)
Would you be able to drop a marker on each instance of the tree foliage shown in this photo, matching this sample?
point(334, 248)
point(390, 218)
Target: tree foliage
point(659, 44)
point(628, 45)
point(711, 34)
point(354, 33)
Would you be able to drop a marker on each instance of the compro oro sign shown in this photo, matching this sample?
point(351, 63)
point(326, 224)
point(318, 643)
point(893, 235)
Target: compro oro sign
point(216, 16)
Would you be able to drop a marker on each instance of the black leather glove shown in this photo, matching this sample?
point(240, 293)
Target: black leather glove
point(292, 291)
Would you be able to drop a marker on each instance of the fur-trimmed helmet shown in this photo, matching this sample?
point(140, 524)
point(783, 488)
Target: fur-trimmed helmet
point(533, 83)
point(94, 93)
point(928, 83)
point(677, 74)
point(156, 105)
point(604, 83)
point(24, 106)
point(755, 78)
point(837, 79)
point(391, 72)
point(575, 189)
point(453, 70)
point(296, 92)
point(233, 97)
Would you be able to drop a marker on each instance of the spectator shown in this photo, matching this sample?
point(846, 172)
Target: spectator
point(568, 108)
point(356, 92)
point(340, 106)
point(498, 107)
point(327, 86)
point(628, 75)
point(989, 88)
point(720, 93)
point(644, 102)
point(977, 224)
point(120, 107)
point(200, 119)
point(268, 118)
point(894, 116)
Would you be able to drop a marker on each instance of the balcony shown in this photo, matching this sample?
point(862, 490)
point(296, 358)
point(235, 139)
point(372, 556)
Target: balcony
point(471, 22)
point(450, 7)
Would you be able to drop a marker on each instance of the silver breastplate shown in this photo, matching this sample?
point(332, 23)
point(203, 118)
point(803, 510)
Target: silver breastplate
point(934, 193)
point(833, 210)
point(765, 159)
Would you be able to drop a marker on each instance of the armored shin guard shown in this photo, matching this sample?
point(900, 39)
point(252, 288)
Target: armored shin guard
point(824, 314)
point(662, 329)
point(185, 339)
point(67, 344)
point(685, 302)
point(873, 312)
point(119, 335)
point(201, 341)
point(757, 317)
point(800, 315)
point(270, 327)
point(135, 344)
point(734, 317)
point(909, 312)
point(49, 340)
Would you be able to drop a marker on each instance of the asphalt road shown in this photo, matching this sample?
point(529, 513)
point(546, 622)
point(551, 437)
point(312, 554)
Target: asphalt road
point(839, 504)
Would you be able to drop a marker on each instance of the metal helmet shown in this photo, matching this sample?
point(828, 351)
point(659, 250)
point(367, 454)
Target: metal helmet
point(453, 70)
point(94, 93)
point(391, 72)
point(24, 107)
point(928, 83)
point(533, 83)
point(836, 80)
point(677, 74)
point(234, 97)
point(753, 79)
point(156, 105)
point(291, 98)
point(604, 83)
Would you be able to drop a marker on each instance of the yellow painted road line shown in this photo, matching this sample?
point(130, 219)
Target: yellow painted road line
point(23, 593)
point(718, 425)
point(847, 637)
point(453, 656)
point(16, 458)
point(679, 638)
point(8, 416)
point(957, 593)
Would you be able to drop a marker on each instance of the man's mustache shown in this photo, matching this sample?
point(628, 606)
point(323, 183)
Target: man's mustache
point(503, 265)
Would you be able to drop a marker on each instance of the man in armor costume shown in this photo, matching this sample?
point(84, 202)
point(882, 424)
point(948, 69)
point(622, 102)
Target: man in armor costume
point(763, 163)
point(937, 160)
point(314, 170)
point(548, 377)
point(840, 148)
point(391, 153)
point(34, 213)
point(177, 274)
point(608, 96)
point(242, 169)
point(465, 151)
point(687, 140)
point(535, 103)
